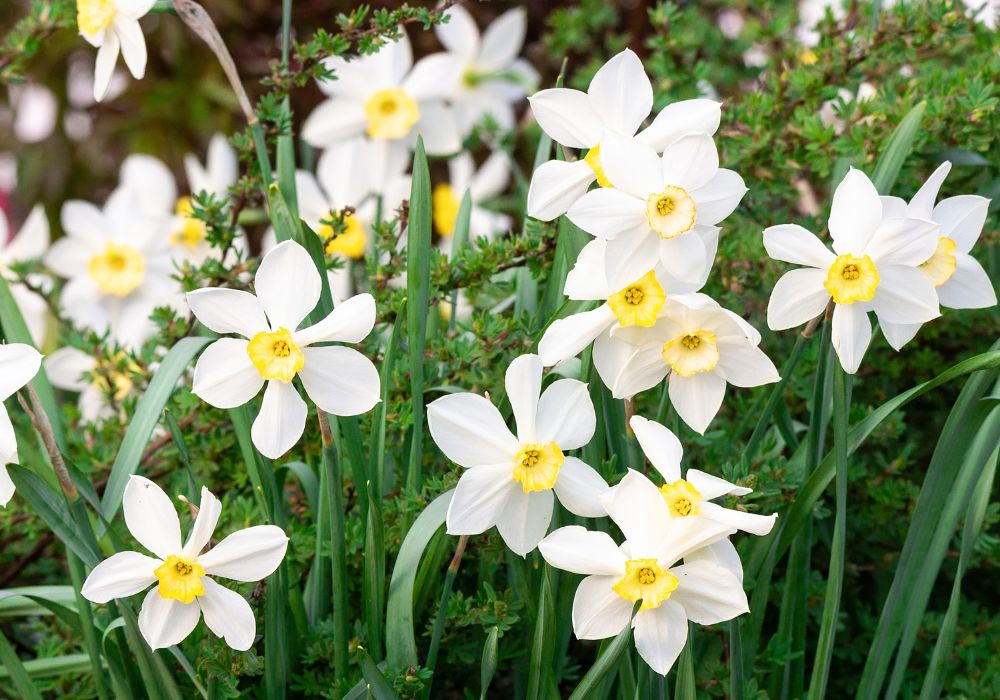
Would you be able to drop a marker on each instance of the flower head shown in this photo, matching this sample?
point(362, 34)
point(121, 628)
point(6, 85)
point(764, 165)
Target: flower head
point(19, 363)
point(483, 184)
point(112, 26)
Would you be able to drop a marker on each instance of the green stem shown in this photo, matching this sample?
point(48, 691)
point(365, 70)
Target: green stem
point(685, 687)
point(93, 646)
point(736, 677)
point(338, 551)
point(764, 419)
point(438, 631)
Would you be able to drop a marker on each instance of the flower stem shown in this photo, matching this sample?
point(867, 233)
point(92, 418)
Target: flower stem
point(449, 582)
point(338, 551)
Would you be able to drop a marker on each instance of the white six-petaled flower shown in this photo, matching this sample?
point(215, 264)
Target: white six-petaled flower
point(185, 590)
point(509, 480)
point(339, 380)
point(19, 363)
point(112, 26)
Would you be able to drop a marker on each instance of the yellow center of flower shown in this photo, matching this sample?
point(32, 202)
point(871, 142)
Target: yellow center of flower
point(639, 303)
point(808, 57)
point(852, 279)
point(682, 498)
point(647, 581)
point(92, 16)
point(691, 353)
point(593, 159)
point(536, 466)
point(109, 377)
point(117, 271)
point(670, 212)
point(941, 266)
point(180, 579)
point(350, 242)
point(391, 113)
point(191, 233)
point(446, 206)
point(275, 355)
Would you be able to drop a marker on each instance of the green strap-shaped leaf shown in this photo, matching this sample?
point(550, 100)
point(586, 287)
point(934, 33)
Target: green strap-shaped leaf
point(897, 148)
point(606, 663)
point(12, 667)
point(488, 666)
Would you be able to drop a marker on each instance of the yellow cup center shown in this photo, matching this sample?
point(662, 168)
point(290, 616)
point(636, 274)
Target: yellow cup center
point(682, 498)
point(639, 303)
point(941, 266)
point(391, 113)
point(180, 579)
point(191, 232)
point(350, 242)
point(445, 205)
point(275, 355)
point(670, 212)
point(118, 270)
point(691, 353)
point(852, 279)
point(647, 581)
point(92, 16)
point(536, 466)
point(593, 159)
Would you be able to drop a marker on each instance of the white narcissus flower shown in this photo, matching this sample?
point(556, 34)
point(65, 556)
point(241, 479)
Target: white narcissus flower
point(873, 267)
point(659, 208)
point(697, 345)
point(960, 281)
point(67, 368)
point(112, 26)
point(646, 568)
point(618, 100)
point(483, 184)
point(116, 266)
point(184, 589)
point(510, 480)
point(493, 77)
point(30, 243)
point(339, 380)
point(380, 96)
point(19, 364)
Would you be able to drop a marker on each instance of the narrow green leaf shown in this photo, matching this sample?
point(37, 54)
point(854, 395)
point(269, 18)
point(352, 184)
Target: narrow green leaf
point(338, 551)
point(606, 662)
point(378, 686)
point(459, 240)
point(12, 667)
point(488, 665)
point(896, 150)
point(685, 686)
point(543, 641)
point(34, 600)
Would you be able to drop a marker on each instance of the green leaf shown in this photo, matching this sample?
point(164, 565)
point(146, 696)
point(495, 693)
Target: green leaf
point(459, 240)
point(605, 664)
point(35, 600)
point(488, 665)
point(378, 686)
point(12, 667)
point(543, 642)
point(897, 148)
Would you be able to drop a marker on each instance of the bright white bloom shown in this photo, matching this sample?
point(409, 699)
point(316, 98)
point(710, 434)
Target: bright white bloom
point(873, 267)
point(660, 208)
point(618, 100)
point(697, 345)
point(116, 266)
point(646, 568)
point(379, 95)
point(184, 590)
point(493, 77)
point(30, 243)
point(483, 184)
point(19, 364)
point(67, 368)
point(113, 26)
point(960, 280)
point(34, 111)
point(510, 480)
point(339, 380)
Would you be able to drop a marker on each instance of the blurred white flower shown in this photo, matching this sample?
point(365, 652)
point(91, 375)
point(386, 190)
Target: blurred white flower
point(509, 481)
point(30, 243)
point(483, 184)
point(113, 26)
point(67, 368)
point(35, 110)
point(184, 591)
point(19, 364)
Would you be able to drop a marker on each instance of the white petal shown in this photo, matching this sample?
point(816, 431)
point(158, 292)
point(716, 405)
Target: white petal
point(609, 213)
point(567, 337)
point(524, 519)
point(228, 311)
point(855, 213)
point(459, 34)
point(209, 510)
point(250, 554)
point(133, 47)
point(747, 522)
point(969, 288)
point(435, 77)
point(64, 257)
point(566, 414)
point(895, 208)
point(690, 162)
point(621, 93)
point(492, 177)
point(32, 240)
point(470, 430)
point(903, 242)
point(899, 334)
point(599, 612)
point(439, 129)
point(719, 197)
point(6, 483)
point(722, 553)
point(340, 380)
point(84, 221)
point(798, 296)
point(350, 322)
point(481, 495)
point(288, 285)
point(342, 176)
point(524, 386)
point(334, 120)
point(743, 364)
point(281, 420)
point(697, 398)
point(922, 204)
point(119, 576)
point(639, 511)
point(107, 56)
point(628, 370)
point(685, 257)
point(586, 281)
point(556, 186)
point(689, 535)
point(630, 256)
point(631, 166)
point(502, 40)
point(19, 364)
point(962, 219)
point(660, 635)
point(224, 375)
point(711, 487)
point(660, 445)
point(851, 332)
point(583, 551)
point(710, 593)
point(228, 615)
point(151, 517)
point(904, 295)
point(579, 488)
point(682, 118)
point(165, 622)
point(567, 116)
point(794, 244)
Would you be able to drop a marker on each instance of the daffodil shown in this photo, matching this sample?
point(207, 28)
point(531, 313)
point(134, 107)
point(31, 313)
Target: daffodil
point(483, 184)
point(874, 266)
point(626, 302)
point(30, 243)
point(960, 281)
point(185, 590)
point(659, 208)
point(509, 480)
point(493, 77)
point(339, 380)
point(646, 569)
point(99, 383)
point(112, 26)
point(19, 364)
point(694, 343)
point(617, 101)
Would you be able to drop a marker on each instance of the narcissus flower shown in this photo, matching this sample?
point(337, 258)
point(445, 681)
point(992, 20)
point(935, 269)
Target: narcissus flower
point(617, 101)
point(112, 26)
point(510, 480)
point(873, 267)
point(960, 281)
point(339, 380)
point(30, 243)
point(658, 206)
point(493, 77)
point(698, 345)
point(184, 589)
point(646, 568)
point(19, 364)
point(483, 184)
point(101, 384)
